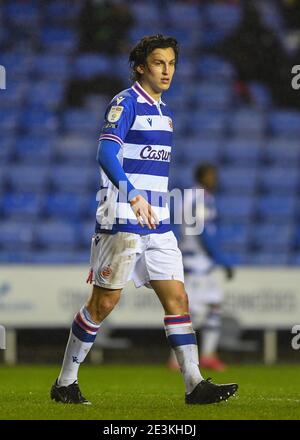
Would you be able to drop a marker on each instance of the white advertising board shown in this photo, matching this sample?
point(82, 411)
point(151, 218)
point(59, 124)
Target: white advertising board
point(49, 296)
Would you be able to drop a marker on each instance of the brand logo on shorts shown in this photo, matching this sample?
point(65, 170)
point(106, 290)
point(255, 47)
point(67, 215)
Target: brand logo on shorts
point(106, 271)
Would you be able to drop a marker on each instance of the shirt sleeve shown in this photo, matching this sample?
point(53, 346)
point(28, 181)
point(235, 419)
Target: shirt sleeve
point(119, 117)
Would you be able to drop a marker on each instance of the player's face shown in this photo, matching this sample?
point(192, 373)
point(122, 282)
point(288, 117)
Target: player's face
point(158, 72)
point(210, 180)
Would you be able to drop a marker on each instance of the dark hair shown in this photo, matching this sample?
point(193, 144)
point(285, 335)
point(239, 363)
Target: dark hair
point(145, 46)
point(202, 169)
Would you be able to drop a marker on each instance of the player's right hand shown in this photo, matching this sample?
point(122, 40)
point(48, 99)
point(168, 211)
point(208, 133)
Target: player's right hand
point(144, 212)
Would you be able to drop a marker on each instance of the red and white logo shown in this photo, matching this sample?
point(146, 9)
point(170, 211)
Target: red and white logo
point(106, 271)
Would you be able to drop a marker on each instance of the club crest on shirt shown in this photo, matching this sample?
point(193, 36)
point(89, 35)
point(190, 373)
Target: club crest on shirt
point(171, 124)
point(115, 113)
point(106, 271)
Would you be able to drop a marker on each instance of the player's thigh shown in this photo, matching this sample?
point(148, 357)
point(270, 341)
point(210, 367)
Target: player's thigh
point(113, 258)
point(163, 259)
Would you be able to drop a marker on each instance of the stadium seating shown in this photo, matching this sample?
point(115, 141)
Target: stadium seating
point(48, 170)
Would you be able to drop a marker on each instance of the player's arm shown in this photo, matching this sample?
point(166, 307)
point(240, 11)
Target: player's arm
point(210, 244)
point(119, 117)
point(107, 158)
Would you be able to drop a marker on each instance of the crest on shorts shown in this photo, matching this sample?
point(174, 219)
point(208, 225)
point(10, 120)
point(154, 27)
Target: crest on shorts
point(106, 271)
point(115, 113)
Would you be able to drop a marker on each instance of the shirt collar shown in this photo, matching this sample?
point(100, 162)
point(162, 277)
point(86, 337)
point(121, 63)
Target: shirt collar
point(142, 92)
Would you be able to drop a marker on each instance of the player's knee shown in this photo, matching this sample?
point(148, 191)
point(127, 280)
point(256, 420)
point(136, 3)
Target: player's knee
point(106, 304)
point(179, 302)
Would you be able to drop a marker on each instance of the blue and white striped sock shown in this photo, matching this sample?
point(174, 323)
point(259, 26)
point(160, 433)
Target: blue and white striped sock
point(182, 338)
point(82, 336)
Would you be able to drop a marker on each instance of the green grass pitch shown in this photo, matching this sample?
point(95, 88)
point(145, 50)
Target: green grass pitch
point(149, 392)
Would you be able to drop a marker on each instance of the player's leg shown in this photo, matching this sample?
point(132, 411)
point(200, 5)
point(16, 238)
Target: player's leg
point(112, 261)
point(212, 294)
point(84, 331)
point(179, 329)
point(161, 266)
point(210, 337)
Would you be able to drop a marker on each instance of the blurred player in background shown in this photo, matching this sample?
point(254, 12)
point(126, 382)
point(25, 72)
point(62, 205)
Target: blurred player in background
point(133, 238)
point(201, 257)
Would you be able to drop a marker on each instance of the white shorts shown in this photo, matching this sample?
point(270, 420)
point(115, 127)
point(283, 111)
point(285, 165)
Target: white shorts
point(203, 289)
point(118, 258)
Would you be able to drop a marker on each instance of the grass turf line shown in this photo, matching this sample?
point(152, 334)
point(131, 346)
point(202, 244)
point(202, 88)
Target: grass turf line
point(149, 392)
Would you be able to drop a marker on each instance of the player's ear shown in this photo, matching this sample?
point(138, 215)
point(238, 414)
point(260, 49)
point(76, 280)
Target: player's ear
point(140, 69)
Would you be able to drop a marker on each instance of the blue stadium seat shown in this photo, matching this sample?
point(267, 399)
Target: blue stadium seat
point(260, 94)
point(183, 15)
point(65, 205)
point(213, 96)
point(195, 150)
point(62, 11)
point(35, 149)
point(6, 148)
point(23, 13)
point(241, 180)
point(52, 66)
point(207, 123)
point(46, 94)
point(3, 179)
point(56, 235)
point(279, 180)
point(73, 178)
point(282, 151)
point(28, 178)
point(242, 151)
point(272, 238)
point(247, 122)
point(21, 205)
point(14, 95)
point(18, 66)
point(285, 123)
point(59, 40)
point(276, 208)
point(145, 13)
point(224, 16)
point(212, 66)
point(15, 257)
point(9, 120)
point(40, 122)
point(81, 119)
point(236, 208)
point(89, 65)
point(60, 256)
point(181, 177)
point(77, 149)
point(16, 235)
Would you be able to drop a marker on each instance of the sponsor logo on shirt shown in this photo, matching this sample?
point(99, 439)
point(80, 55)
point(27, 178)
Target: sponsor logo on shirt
point(151, 153)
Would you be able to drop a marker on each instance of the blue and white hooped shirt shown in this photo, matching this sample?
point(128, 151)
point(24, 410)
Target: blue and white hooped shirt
point(143, 127)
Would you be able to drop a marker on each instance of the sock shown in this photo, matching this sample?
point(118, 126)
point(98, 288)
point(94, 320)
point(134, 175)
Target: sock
point(211, 333)
point(182, 338)
point(82, 336)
